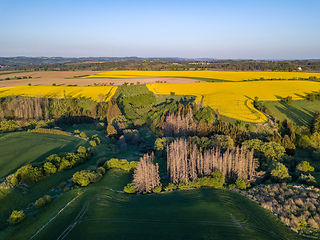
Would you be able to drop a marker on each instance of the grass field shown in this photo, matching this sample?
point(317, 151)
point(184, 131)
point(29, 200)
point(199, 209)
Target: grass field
point(91, 93)
point(102, 211)
point(21, 148)
point(300, 112)
point(235, 99)
point(215, 75)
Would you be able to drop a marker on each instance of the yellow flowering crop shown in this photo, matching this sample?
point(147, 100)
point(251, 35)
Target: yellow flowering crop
point(220, 75)
point(91, 93)
point(235, 99)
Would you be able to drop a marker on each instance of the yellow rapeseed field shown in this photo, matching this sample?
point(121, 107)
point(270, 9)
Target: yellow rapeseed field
point(91, 93)
point(220, 75)
point(235, 99)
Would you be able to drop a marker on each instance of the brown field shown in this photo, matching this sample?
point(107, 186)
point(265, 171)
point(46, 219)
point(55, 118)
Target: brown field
point(64, 78)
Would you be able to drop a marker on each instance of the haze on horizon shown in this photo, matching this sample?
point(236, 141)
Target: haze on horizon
point(207, 29)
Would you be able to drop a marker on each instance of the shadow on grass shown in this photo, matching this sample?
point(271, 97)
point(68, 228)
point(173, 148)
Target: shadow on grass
point(302, 118)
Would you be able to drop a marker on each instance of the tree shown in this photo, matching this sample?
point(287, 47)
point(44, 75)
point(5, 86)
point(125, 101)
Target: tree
point(16, 217)
point(218, 179)
point(49, 168)
point(81, 149)
point(40, 203)
point(304, 167)
point(315, 125)
point(85, 177)
point(279, 172)
point(146, 176)
point(241, 184)
point(111, 131)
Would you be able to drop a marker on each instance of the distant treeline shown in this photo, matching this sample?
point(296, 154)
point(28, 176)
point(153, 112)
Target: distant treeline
point(103, 64)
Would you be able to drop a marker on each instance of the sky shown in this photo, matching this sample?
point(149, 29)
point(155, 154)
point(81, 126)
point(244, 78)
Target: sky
point(229, 29)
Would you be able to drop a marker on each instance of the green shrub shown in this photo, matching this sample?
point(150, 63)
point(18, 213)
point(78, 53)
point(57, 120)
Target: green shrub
point(130, 188)
point(81, 149)
point(40, 203)
point(16, 217)
point(101, 161)
point(279, 172)
point(170, 187)
point(241, 184)
point(83, 135)
point(85, 177)
point(93, 143)
point(182, 186)
point(218, 179)
point(157, 189)
point(43, 201)
point(101, 170)
point(49, 168)
point(14, 181)
point(305, 167)
point(47, 198)
point(307, 179)
point(122, 164)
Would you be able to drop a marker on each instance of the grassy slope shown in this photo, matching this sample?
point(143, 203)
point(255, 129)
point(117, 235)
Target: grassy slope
point(300, 112)
point(102, 211)
point(21, 148)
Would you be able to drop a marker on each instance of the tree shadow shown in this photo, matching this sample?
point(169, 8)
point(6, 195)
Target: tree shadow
point(301, 118)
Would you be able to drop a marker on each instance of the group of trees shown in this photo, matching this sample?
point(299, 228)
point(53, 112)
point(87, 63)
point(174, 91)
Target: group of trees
point(33, 173)
point(85, 177)
point(185, 162)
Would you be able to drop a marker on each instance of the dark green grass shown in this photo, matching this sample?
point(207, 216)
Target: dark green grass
point(300, 112)
point(103, 211)
point(21, 148)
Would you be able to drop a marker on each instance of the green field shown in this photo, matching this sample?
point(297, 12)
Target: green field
point(300, 112)
point(103, 211)
point(21, 148)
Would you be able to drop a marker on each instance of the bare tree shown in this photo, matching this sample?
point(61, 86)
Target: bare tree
point(146, 176)
point(185, 162)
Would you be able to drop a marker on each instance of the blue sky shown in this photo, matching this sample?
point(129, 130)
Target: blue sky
point(282, 29)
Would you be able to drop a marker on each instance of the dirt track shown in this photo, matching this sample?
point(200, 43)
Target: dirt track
point(67, 78)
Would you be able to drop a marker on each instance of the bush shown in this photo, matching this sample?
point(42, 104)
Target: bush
point(85, 177)
point(101, 161)
point(14, 181)
point(43, 201)
point(157, 189)
point(130, 188)
point(241, 184)
point(40, 203)
point(16, 217)
point(307, 179)
point(93, 143)
point(76, 132)
point(83, 135)
point(122, 164)
point(47, 198)
point(170, 187)
point(218, 179)
point(305, 167)
point(279, 172)
point(81, 149)
point(49, 168)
